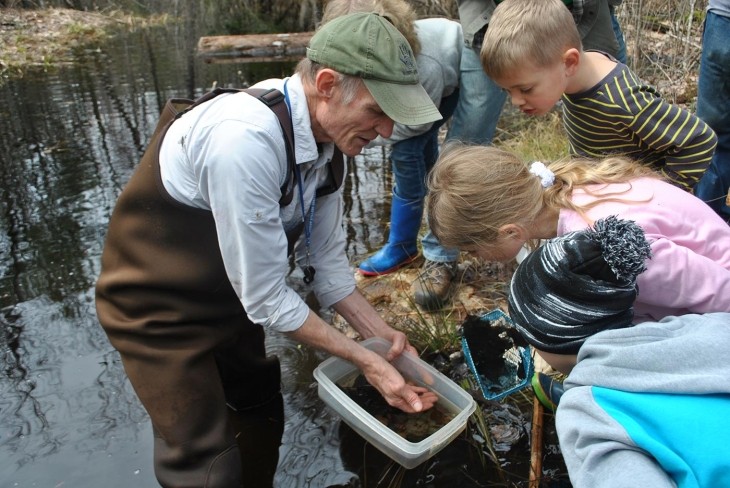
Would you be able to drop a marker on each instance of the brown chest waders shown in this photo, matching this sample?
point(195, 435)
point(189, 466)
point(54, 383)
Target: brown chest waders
point(195, 360)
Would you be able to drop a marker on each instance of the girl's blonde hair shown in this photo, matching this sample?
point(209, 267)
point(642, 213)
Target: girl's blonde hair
point(398, 12)
point(527, 31)
point(475, 190)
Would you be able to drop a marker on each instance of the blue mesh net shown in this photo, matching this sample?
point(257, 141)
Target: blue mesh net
point(502, 367)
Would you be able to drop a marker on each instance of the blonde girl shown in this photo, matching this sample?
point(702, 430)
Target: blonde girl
point(490, 202)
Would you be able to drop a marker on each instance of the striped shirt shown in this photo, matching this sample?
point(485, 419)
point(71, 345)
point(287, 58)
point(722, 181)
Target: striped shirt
point(621, 115)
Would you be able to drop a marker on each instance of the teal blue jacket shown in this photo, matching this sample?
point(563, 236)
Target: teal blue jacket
point(648, 406)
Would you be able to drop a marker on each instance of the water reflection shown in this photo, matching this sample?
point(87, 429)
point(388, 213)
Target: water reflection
point(69, 140)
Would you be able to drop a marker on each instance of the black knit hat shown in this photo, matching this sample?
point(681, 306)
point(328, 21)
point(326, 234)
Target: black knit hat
point(578, 284)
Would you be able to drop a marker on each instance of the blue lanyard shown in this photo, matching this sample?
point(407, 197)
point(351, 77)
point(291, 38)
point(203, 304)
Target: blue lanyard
point(308, 269)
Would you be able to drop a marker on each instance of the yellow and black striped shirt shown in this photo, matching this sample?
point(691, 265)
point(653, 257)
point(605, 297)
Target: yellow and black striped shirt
point(621, 115)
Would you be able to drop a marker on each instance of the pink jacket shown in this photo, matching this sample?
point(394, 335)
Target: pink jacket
point(689, 271)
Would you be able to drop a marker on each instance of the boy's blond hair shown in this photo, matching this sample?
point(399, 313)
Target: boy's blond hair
point(527, 31)
point(475, 190)
point(398, 12)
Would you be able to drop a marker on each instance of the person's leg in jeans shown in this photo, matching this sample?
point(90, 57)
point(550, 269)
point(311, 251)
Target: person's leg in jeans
point(480, 103)
point(411, 160)
point(713, 106)
point(621, 53)
point(406, 207)
point(432, 249)
point(474, 121)
point(470, 123)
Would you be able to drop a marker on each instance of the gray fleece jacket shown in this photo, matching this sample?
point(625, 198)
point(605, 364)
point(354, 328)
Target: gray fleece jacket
point(649, 406)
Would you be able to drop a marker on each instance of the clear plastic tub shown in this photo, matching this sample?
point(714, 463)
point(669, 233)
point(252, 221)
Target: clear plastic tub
point(452, 398)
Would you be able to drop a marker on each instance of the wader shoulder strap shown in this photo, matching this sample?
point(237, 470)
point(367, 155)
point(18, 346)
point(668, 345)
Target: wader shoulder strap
point(274, 99)
point(336, 174)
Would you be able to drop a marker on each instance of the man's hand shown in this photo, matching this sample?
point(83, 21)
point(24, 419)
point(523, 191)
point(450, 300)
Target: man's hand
point(359, 313)
point(400, 344)
point(391, 384)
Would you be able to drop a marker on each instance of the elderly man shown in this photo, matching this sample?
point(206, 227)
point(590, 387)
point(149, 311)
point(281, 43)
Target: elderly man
point(196, 255)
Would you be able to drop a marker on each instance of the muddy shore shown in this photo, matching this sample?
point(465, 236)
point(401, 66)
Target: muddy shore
point(47, 37)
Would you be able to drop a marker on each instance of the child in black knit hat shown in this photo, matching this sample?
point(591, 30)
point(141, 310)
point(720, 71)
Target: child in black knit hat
point(644, 404)
point(576, 285)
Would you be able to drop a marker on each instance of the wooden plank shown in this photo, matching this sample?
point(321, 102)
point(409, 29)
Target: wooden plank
point(248, 48)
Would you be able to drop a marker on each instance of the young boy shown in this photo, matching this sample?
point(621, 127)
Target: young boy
point(645, 404)
point(532, 49)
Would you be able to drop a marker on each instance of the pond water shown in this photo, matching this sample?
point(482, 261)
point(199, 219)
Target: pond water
point(69, 140)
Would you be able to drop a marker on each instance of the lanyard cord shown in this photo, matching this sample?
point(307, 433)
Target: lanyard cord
point(308, 269)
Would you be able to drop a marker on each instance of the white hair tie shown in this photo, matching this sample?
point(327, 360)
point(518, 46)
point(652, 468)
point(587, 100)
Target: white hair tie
point(547, 177)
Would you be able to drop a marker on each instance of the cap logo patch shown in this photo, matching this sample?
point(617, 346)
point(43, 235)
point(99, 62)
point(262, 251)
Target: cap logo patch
point(406, 58)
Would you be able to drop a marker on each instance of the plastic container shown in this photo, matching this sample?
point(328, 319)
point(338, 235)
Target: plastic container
point(452, 398)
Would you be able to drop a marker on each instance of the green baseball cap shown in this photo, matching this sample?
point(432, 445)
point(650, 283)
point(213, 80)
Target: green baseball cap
point(366, 45)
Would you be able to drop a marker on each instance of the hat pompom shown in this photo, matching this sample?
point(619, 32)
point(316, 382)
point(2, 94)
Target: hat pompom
point(623, 245)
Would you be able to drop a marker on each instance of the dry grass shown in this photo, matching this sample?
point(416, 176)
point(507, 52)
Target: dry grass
point(533, 138)
point(47, 37)
point(664, 44)
point(479, 288)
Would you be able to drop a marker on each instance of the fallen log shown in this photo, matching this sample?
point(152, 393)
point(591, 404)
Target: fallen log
point(250, 48)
